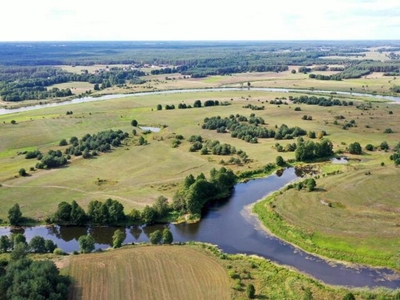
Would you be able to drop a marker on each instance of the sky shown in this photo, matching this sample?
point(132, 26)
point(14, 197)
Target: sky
point(88, 20)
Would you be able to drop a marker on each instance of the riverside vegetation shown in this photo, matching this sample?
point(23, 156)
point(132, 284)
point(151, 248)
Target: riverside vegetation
point(133, 176)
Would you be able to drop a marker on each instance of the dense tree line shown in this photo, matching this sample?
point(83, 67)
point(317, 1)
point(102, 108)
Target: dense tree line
point(36, 245)
point(309, 150)
point(90, 144)
point(359, 69)
point(197, 192)
point(321, 101)
point(196, 104)
point(30, 83)
point(249, 129)
point(111, 212)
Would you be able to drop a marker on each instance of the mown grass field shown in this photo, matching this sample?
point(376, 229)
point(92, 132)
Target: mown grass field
point(189, 272)
point(163, 272)
point(361, 224)
point(136, 175)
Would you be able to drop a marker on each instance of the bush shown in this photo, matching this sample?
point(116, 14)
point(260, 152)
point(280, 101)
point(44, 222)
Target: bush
point(369, 147)
point(63, 142)
point(388, 130)
point(58, 251)
point(250, 291)
point(22, 172)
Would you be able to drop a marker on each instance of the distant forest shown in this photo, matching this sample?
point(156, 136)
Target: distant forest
point(28, 68)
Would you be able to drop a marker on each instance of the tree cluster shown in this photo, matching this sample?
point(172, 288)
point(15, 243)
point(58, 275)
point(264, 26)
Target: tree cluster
point(309, 184)
point(196, 192)
point(111, 212)
point(254, 107)
point(53, 159)
point(100, 142)
point(309, 150)
point(161, 237)
point(30, 83)
point(27, 279)
point(321, 101)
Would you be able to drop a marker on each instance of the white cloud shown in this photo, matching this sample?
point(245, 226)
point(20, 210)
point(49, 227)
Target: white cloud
point(207, 19)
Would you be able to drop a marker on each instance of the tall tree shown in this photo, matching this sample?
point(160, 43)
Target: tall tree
point(155, 237)
point(167, 236)
point(86, 243)
point(37, 244)
point(118, 238)
point(5, 243)
point(15, 215)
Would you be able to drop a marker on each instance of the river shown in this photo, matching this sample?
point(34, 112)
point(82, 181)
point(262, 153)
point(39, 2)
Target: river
point(4, 111)
point(229, 225)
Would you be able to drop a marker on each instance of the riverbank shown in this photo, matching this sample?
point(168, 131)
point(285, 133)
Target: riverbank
point(19, 107)
point(306, 240)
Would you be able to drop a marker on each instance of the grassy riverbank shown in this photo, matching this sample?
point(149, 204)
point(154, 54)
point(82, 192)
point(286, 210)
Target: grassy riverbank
point(350, 216)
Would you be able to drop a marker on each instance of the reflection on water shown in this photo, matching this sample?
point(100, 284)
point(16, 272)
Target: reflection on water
point(230, 226)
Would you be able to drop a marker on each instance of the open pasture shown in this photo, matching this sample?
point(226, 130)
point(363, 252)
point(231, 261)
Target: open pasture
point(136, 175)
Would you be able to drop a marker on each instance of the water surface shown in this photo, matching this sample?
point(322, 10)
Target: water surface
point(229, 225)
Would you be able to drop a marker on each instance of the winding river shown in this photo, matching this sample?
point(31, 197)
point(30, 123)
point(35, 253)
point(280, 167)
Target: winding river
point(4, 111)
point(230, 225)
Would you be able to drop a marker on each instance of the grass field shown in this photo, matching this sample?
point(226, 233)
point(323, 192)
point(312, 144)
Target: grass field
point(137, 175)
point(361, 224)
point(163, 272)
point(189, 272)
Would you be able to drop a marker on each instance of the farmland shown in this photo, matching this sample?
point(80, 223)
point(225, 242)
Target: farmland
point(182, 272)
point(351, 215)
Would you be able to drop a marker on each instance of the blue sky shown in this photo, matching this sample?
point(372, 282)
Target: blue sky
point(61, 20)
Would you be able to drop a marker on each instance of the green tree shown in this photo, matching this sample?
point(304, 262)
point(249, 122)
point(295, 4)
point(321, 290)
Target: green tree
point(197, 103)
point(134, 123)
point(15, 215)
point(149, 215)
point(77, 215)
point(5, 243)
point(37, 244)
point(86, 243)
point(279, 161)
point(250, 291)
point(384, 146)
point(50, 246)
point(63, 213)
point(155, 237)
point(159, 107)
point(369, 147)
point(118, 238)
point(161, 206)
point(311, 184)
point(96, 87)
point(27, 279)
point(167, 236)
point(22, 172)
point(17, 238)
point(355, 148)
point(63, 142)
point(19, 251)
